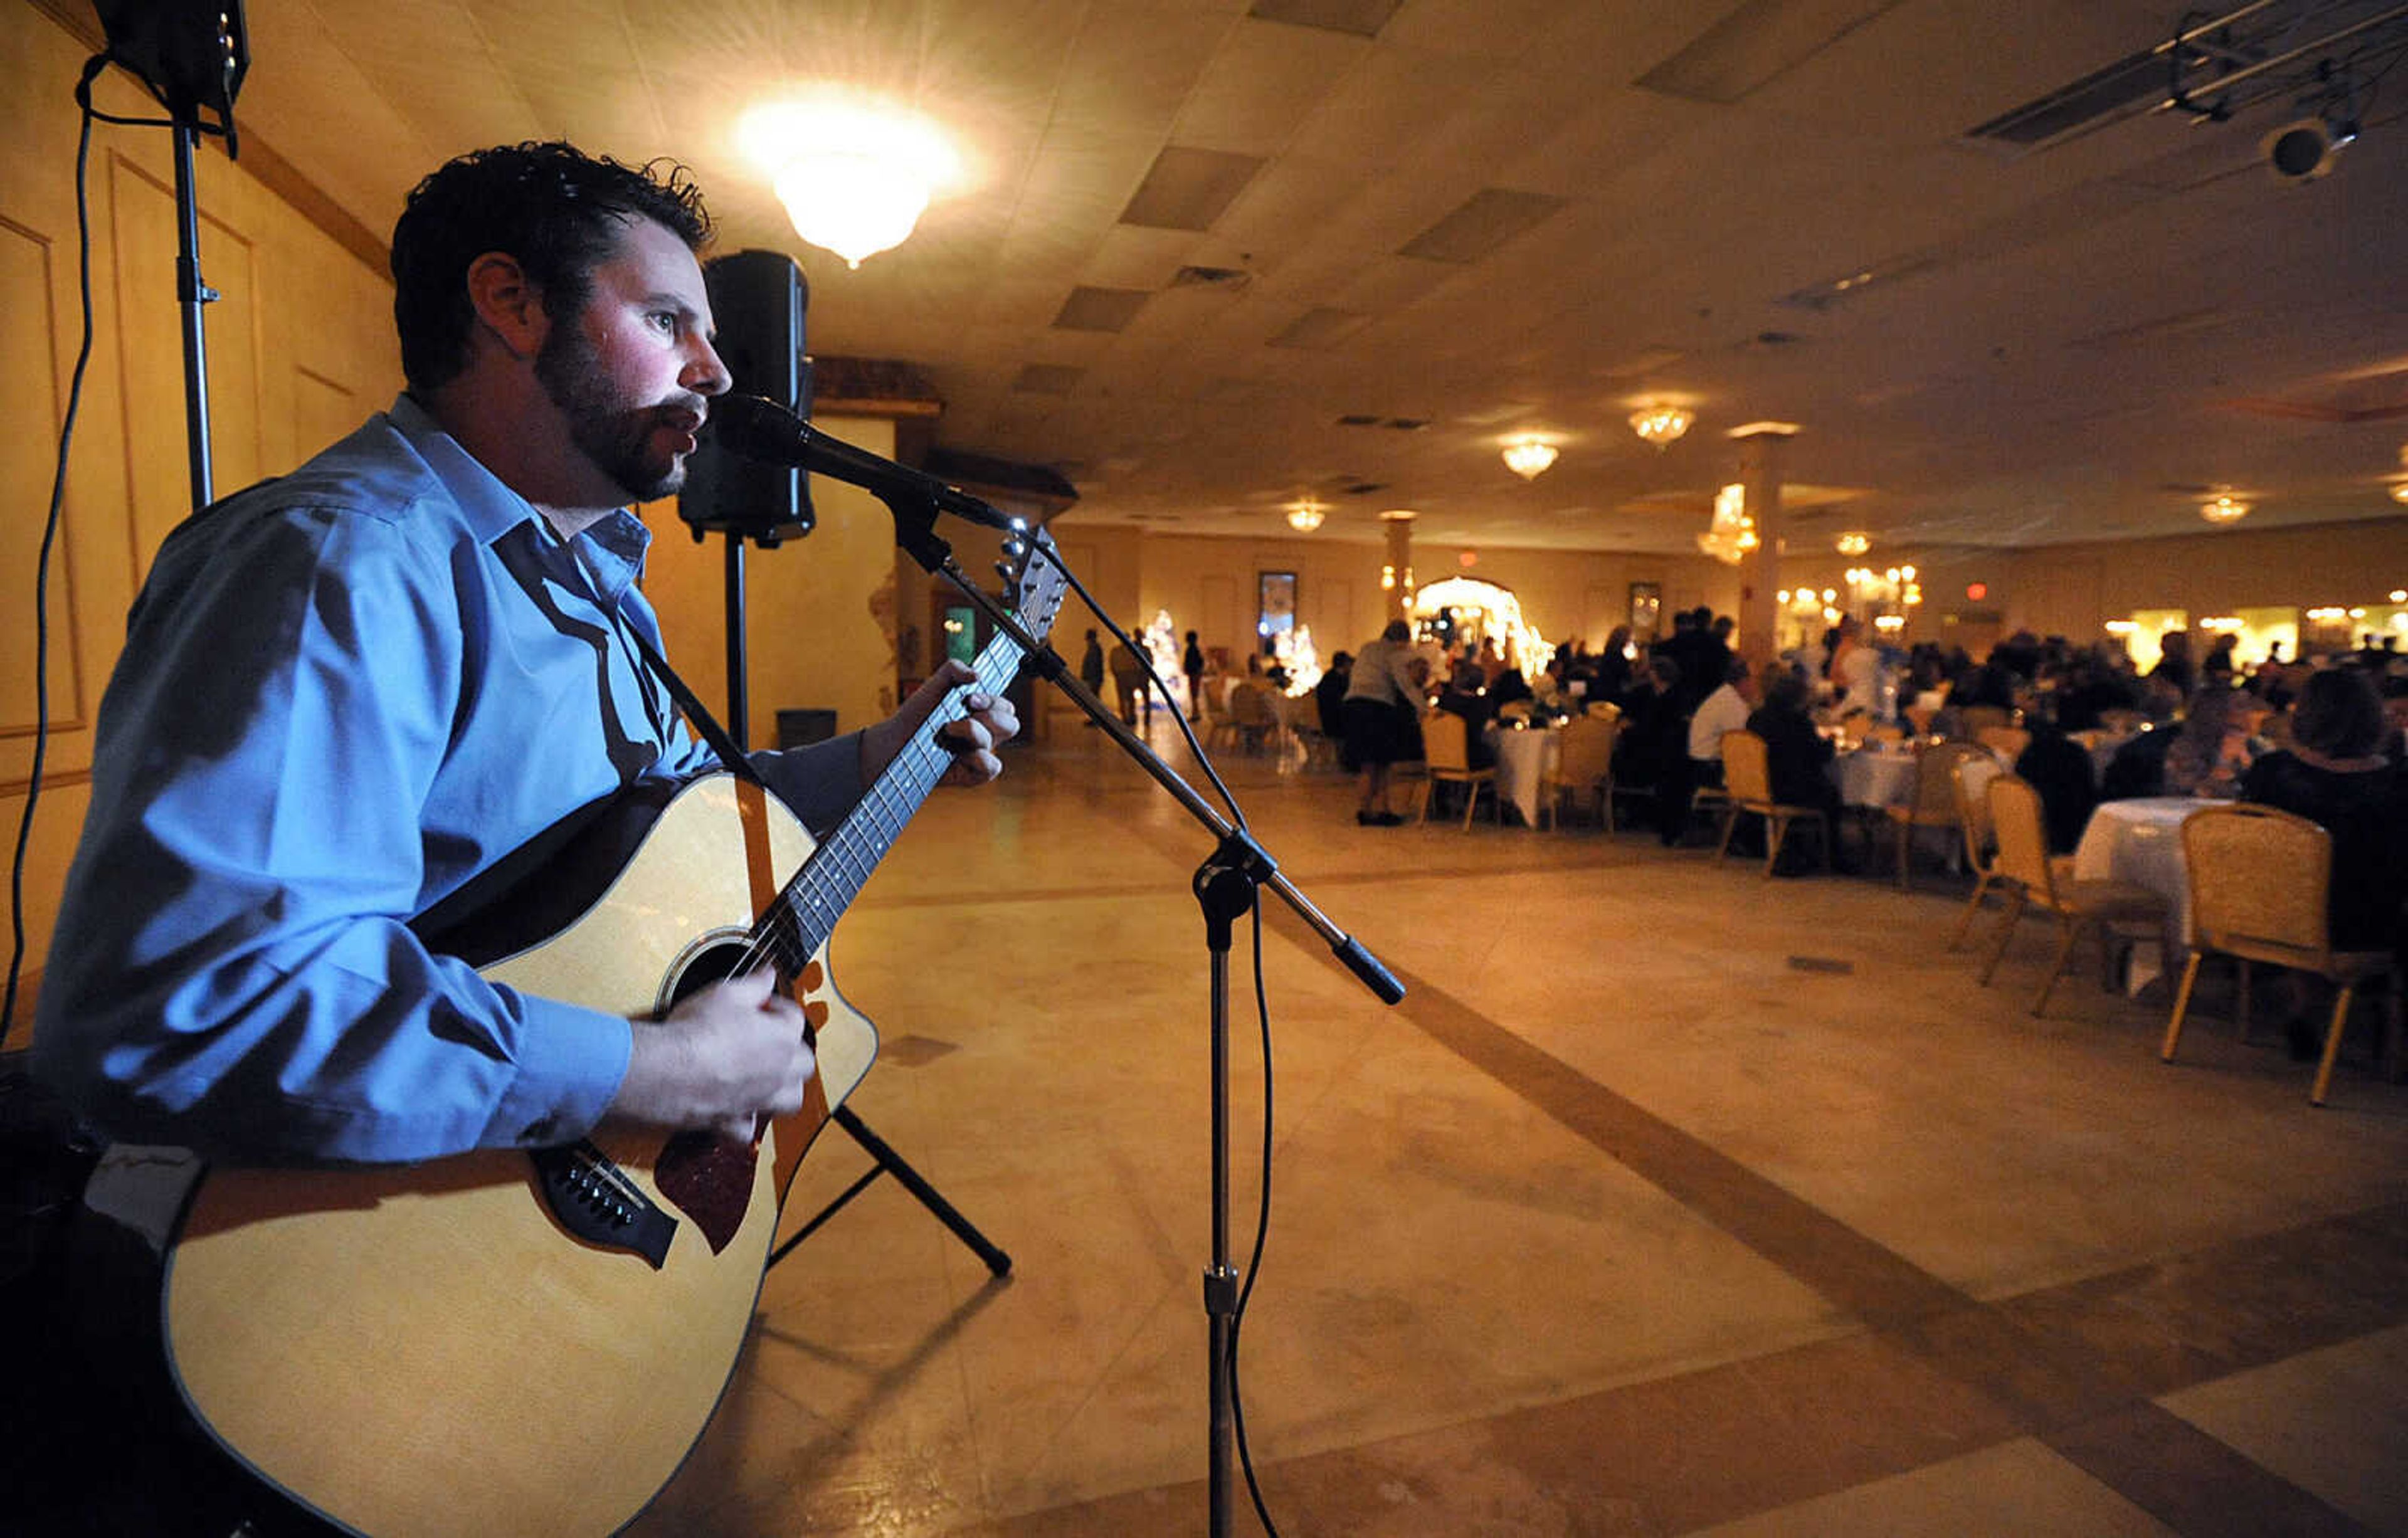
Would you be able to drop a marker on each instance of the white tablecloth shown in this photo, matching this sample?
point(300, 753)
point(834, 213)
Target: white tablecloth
point(1524, 756)
point(2139, 841)
point(1869, 777)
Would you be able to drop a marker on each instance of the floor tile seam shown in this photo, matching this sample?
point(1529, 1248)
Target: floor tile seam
point(2048, 1351)
point(2245, 1488)
point(1716, 1188)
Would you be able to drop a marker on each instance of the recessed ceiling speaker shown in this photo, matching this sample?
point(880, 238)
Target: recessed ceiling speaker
point(2302, 150)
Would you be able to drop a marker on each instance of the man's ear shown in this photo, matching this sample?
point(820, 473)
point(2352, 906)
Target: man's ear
point(508, 303)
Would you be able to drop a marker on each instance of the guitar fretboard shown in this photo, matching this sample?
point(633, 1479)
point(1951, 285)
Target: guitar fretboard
point(807, 909)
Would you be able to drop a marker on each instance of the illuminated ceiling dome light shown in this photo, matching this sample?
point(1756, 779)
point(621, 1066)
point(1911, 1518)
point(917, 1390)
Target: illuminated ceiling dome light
point(1305, 516)
point(855, 172)
point(2399, 491)
point(1659, 423)
point(1528, 457)
point(2223, 509)
point(1853, 543)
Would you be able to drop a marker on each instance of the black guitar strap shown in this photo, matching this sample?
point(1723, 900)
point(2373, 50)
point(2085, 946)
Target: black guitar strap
point(731, 757)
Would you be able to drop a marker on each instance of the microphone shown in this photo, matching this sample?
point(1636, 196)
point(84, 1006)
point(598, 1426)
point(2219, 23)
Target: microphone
point(762, 429)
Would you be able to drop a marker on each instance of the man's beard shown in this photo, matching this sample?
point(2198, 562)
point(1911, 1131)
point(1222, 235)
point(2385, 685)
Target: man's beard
point(609, 428)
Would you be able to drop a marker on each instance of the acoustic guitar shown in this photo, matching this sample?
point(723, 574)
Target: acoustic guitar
point(521, 1344)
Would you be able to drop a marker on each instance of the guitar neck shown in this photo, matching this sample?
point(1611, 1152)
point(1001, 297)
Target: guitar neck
point(807, 908)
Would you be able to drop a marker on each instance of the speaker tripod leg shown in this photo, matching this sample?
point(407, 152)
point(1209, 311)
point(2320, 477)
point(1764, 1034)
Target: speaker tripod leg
point(890, 1162)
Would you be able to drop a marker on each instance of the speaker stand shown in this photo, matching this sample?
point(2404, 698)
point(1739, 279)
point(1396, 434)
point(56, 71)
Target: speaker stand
point(888, 1161)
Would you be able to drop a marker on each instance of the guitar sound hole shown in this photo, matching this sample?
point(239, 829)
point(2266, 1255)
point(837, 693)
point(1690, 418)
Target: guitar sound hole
point(716, 962)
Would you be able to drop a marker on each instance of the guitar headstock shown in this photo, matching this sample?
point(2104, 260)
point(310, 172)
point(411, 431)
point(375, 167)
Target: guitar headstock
point(1033, 580)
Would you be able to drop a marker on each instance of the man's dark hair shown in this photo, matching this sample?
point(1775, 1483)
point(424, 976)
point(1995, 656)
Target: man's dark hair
point(555, 210)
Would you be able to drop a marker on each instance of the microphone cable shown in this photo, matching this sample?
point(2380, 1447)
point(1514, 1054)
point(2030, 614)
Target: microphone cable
point(91, 69)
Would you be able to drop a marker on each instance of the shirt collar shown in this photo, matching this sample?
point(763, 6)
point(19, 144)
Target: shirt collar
point(611, 550)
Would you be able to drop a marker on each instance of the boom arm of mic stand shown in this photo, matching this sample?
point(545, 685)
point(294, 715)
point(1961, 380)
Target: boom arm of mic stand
point(914, 531)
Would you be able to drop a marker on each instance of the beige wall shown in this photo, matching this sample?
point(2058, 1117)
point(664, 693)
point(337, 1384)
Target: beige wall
point(300, 350)
point(2074, 590)
point(820, 611)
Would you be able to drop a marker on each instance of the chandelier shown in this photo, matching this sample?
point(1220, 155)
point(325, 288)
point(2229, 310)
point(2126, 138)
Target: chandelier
point(1733, 532)
point(1529, 457)
point(1305, 516)
point(1853, 543)
point(855, 172)
point(1658, 423)
point(2223, 509)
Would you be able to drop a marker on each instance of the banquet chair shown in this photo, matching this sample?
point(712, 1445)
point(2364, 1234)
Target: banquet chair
point(1934, 805)
point(2033, 879)
point(1604, 710)
point(2260, 888)
point(1251, 717)
point(1218, 726)
point(1514, 710)
point(1583, 766)
point(2008, 742)
point(1747, 776)
point(1972, 774)
point(1446, 747)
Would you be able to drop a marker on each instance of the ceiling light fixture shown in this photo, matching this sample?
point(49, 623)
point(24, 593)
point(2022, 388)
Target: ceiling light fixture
point(1305, 516)
point(2399, 491)
point(2223, 509)
point(854, 172)
point(1659, 422)
point(1853, 543)
point(1733, 532)
point(1529, 457)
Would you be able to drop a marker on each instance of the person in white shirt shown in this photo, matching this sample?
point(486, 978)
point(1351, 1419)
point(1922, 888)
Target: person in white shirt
point(1726, 709)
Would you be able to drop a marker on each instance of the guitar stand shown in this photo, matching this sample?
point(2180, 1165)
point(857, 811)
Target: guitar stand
point(890, 1162)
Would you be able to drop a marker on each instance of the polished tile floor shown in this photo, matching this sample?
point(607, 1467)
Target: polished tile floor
point(1670, 1200)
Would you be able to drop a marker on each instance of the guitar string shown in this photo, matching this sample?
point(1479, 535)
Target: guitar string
point(923, 759)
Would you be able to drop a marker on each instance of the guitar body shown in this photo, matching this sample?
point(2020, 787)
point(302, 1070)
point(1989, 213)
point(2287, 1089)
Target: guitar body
point(432, 1350)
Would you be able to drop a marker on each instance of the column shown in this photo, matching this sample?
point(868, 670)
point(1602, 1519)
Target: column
point(1397, 577)
point(1762, 447)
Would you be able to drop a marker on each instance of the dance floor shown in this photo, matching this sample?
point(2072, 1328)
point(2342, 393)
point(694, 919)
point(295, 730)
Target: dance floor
point(1672, 1200)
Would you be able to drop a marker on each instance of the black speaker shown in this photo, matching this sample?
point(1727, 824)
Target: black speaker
point(758, 298)
point(192, 54)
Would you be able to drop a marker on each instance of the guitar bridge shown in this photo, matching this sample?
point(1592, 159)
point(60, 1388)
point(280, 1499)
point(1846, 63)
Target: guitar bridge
point(596, 1201)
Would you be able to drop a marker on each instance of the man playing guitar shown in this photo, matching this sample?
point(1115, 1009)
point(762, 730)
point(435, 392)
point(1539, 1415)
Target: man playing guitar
point(349, 692)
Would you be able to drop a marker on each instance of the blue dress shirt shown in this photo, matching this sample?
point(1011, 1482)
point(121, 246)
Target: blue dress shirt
point(343, 695)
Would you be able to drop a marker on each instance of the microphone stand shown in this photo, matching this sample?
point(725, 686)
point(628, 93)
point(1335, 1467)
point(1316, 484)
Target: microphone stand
point(1226, 885)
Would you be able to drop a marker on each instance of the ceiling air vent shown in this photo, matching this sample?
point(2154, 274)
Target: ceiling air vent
point(1210, 278)
point(2117, 91)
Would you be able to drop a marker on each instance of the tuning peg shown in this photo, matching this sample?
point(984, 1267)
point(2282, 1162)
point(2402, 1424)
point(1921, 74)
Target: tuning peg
point(1003, 569)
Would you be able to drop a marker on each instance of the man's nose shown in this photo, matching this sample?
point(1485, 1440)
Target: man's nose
point(705, 375)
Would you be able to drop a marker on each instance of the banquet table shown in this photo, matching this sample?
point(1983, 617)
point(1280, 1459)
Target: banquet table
point(1874, 777)
point(1524, 755)
point(2139, 841)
